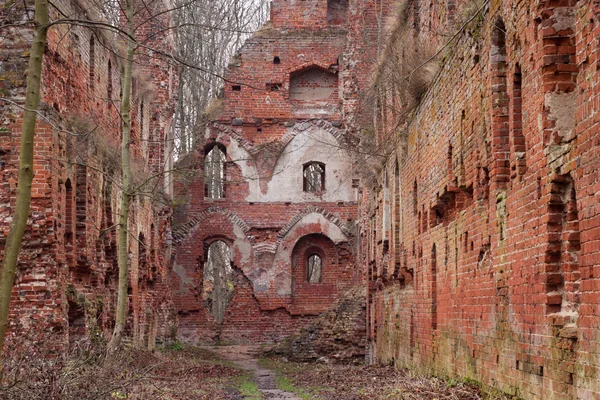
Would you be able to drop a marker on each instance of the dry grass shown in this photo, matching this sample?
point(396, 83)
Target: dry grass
point(87, 374)
point(362, 382)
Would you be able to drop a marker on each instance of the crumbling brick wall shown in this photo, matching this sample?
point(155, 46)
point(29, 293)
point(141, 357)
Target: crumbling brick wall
point(67, 275)
point(285, 102)
point(482, 240)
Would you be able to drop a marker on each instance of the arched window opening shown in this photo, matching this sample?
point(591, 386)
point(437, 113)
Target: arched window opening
point(314, 177)
point(314, 90)
point(214, 173)
point(314, 268)
point(218, 287)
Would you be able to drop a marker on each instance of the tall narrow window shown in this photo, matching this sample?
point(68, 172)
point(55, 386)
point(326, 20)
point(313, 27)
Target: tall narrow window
point(315, 264)
point(142, 115)
point(434, 313)
point(500, 116)
point(92, 63)
point(386, 207)
point(69, 223)
point(218, 285)
point(397, 213)
point(214, 173)
point(415, 198)
point(109, 84)
point(518, 163)
point(314, 177)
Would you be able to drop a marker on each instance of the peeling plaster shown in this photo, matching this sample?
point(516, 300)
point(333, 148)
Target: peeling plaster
point(184, 280)
point(564, 17)
point(561, 107)
point(241, 246)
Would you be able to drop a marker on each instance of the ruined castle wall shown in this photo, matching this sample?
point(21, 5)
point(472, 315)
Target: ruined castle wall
point(283, 108)
point(487, 267)
point(67, 276)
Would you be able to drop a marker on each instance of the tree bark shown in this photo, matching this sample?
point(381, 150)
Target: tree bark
point(25, 177)
point(123, 231)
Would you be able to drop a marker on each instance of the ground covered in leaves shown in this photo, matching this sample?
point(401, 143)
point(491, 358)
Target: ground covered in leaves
point(173, 374)
point(363, 382)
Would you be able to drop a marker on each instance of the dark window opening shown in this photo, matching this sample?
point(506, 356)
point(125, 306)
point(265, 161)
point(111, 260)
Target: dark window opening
point(236, 88)
point(314, 268)
point(142, 251)
point(434, 305)
point(214, 172)
point(337, 11)
point(142, 118)
point(276, 60)
point(109, 85)
point(518, 150)
point(69, 224)
point(314, 177)
point(92, 60)
point(274, 86)
point(415, 198)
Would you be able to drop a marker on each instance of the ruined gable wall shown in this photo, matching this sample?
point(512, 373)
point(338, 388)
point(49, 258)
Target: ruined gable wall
point(67, 277)
point(488, 273)
point(283, 106)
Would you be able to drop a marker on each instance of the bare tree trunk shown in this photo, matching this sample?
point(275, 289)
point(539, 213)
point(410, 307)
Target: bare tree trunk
point(122, 231)
point(25, 178)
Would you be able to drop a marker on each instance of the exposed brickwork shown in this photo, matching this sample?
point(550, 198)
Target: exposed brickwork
point(286, 98)
point(67, 274)
point(482, 251)
point(338, 335)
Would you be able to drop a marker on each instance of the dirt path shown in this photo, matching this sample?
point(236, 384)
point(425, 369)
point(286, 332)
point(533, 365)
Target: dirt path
point(247, 357)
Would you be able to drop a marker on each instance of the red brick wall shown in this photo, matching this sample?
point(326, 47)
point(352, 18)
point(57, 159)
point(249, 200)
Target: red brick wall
point(67, 270)
point(264, 216)
point(496, 219)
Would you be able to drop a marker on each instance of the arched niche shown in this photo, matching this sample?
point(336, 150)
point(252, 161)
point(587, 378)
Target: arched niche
point(311, 224)
point(314, 90)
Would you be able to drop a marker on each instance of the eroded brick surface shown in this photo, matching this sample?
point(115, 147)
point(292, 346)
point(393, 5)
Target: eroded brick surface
point(67, 275)
point(483, 248)
point(288, 101)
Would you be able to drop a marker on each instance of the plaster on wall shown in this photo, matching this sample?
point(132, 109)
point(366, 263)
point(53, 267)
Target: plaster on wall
point(312, 144)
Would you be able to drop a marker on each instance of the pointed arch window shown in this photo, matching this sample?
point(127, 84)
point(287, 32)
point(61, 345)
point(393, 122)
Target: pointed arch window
point(214, 172)
point(314, 177)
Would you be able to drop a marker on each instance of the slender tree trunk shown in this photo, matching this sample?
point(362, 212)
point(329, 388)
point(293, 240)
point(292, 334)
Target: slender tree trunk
point(122, 231)
point(25, 178)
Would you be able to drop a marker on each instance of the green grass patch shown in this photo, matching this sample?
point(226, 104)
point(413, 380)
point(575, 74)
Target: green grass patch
point(249, 389)
point(282, 381)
